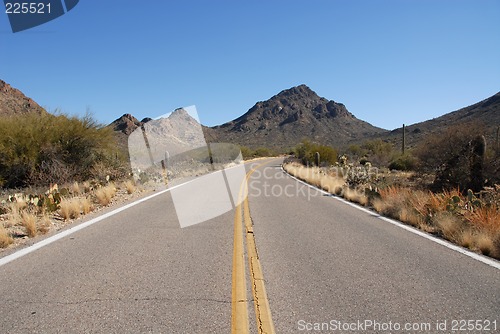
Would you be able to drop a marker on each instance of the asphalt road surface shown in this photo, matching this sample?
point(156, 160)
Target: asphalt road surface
point(325, 265)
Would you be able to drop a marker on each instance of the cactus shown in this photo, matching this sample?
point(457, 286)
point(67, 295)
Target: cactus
point(478, 146)
point(404, 140)
point(317, 158)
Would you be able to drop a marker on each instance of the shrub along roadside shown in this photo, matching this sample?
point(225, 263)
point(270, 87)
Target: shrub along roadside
point(37, 150)
point(469, 221)
point(306, 152)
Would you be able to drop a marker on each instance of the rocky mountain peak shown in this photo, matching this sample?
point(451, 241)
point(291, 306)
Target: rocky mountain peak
point(292, 115)
point(13, 102)
point(126, 124)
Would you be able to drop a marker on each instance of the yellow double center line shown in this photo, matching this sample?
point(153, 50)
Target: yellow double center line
point(239, 321)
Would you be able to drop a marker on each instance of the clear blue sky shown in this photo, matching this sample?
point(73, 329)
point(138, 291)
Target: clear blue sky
point(389, 62)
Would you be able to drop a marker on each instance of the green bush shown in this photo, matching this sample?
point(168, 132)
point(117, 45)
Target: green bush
point(43, 149)
point(403, 162)
point(306, 153)
point(248, 153)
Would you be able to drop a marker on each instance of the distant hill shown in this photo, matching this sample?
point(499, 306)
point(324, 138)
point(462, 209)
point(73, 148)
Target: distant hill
point(291, 116)
point(124, 126)
point(14, 102)
point(485, 113)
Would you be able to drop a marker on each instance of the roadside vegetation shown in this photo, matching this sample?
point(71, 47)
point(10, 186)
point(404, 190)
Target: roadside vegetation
point(448, 186)
point(26, 215)
point(54, 169)
point(39, 150)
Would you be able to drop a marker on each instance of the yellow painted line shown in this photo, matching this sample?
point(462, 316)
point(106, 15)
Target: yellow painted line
point(262, 309)
point(239, 319)
point(261, 303)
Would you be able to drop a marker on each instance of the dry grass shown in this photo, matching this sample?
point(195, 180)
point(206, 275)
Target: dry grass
point(486, 244)
point(104, 195)
point(70, 208)
point(466, 238)
point(76, 189)
point(86, 205)
point(316, 177)
point(16, 208)
point(449, 226)
point(130, 186)
point(355, 196)
point(411, 216)
point(394, 199)
point(28, 221)
point(486, 217)
point(14, 218)
point(44, 224)
point(5, 238)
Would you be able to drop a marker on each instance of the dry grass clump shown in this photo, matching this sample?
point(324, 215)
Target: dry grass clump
point(410, 216)
point(130, 186)
point(76, 189)
point(486, 217)
point(5, 238)
point(14, 218)
point(44, 224)
point(449, 226)
point(86, 205)
point(28, 221)
point(355, 196)
point(392, 201)
point(485, 242)
point(467, 238)
point(316, 177)
point(104, 195)
point(70, 208)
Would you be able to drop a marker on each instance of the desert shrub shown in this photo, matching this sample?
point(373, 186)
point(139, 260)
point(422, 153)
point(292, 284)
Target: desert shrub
point(263, 152)
point(456, 155)
point(377, 151)
point(43, 149)
point(306, 151)
point(249, 153)
point(403, 162)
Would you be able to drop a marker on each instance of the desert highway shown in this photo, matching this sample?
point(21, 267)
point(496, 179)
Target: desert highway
point(317, 264)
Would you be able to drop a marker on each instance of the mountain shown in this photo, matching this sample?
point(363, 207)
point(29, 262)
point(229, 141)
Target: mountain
point(485, 114)
point(14, 102)
point(126, 124)
point(291, 116)
point(298, 113)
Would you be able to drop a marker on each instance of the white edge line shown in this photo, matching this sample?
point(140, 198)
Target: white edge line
point(22, 252)
point(475, 256)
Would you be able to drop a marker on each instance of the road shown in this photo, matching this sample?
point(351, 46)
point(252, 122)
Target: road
point(322, 261)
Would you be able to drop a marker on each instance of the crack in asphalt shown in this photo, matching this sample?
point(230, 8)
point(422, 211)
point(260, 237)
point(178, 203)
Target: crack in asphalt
point(99, 300)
